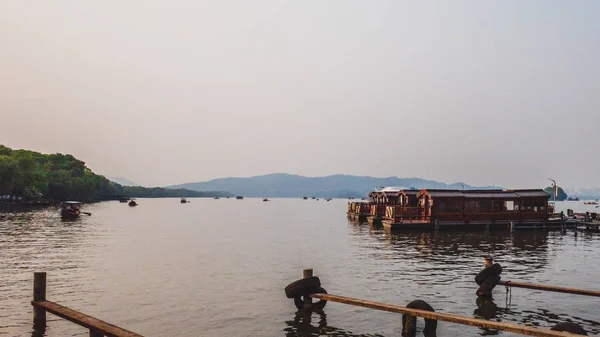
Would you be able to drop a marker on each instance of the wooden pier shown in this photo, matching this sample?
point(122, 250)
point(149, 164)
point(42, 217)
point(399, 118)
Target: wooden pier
point(309, 287)
point(98, 328)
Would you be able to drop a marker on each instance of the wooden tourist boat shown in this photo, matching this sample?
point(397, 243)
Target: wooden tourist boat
point(70, 210)
point(436, 208)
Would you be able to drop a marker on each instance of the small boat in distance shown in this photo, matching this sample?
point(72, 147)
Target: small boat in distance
point(572, 199)
point(265, 199)
point(123, 199)
point(217, 198)
point(70, 210)
point(595, 202)
point(184, 201)
point(239, 197)
point(305, 198)
point(132, 203)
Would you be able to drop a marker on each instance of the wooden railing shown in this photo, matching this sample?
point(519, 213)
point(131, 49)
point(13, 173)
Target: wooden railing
point(98, 328)
point(400, 213)
point(377, 210)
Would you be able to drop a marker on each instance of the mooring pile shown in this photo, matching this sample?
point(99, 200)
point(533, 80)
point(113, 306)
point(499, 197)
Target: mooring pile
point(304, 290)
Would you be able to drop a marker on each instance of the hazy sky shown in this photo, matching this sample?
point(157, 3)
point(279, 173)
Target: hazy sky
point(165, 92)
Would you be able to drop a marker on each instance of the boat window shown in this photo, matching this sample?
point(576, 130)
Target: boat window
point(485, 206)
point(539, 205)
point(510, 206)
point(527, 206)
point(471, 206)
point(454, 207)
point(498, 206)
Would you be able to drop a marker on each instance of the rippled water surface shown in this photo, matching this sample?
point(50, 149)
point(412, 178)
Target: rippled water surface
point(218, 268)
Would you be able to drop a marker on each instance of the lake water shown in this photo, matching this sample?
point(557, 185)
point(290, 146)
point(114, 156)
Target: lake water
point(218, 268)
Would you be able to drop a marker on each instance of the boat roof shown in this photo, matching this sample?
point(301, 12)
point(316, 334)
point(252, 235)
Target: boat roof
point(485, 194)
point(393, 189)
point(71, 202)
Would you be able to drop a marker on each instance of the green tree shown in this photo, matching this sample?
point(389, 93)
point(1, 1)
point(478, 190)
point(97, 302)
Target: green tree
point(8, 173)
point(59, 177)
point(561, 195)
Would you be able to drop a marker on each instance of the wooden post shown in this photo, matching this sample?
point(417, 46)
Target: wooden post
point(96, 333)
point(511, 227)
point(307, 272)
point(436, 224)
point(39, 294)
point(488, 261)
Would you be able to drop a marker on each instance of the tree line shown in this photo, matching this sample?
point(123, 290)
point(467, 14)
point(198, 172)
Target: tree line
point(29, 176)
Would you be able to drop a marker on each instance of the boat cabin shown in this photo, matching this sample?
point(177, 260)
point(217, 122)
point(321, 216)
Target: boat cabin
point(407, 205)
point(483, 205)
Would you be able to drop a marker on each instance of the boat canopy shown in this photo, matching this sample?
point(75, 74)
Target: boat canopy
point(71, 203)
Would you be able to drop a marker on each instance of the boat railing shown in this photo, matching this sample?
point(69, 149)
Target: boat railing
point(400, 213)
point(377, 210)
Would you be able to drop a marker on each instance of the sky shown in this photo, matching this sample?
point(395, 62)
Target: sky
point(163, 92)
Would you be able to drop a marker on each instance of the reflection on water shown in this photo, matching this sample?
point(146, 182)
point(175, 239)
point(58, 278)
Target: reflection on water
point(315, 324)
point(167, 269)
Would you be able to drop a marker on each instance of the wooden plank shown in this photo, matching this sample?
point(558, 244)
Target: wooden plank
point(550, 288)
point(520, 329)
point(84, 320)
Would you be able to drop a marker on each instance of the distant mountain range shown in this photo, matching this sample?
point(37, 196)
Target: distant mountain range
point(336, 186)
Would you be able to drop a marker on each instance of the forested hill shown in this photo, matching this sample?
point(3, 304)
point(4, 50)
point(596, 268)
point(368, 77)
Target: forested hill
point(32, 176)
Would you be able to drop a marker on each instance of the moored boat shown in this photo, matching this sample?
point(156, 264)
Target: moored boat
point(183, 201)
point(132, 203)
point(124, 199)
point(595, 202)
point(70, 209)
point(239, 197)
